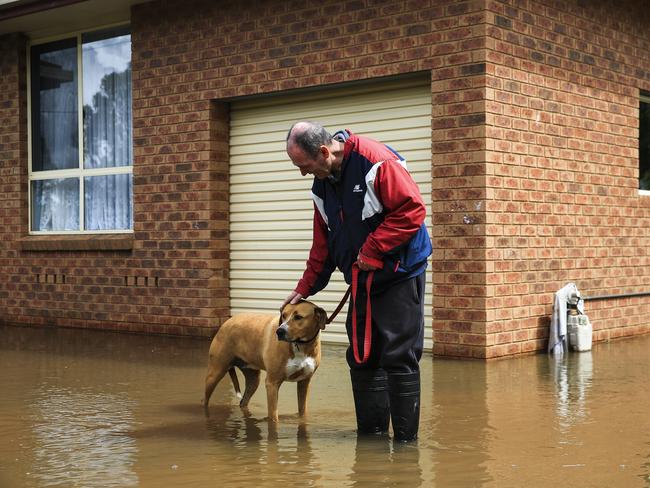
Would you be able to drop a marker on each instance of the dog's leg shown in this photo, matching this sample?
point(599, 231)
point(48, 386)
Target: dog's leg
point(252, 382)
point(303, 390)
point(214, 376)
point(272, 399)
point(235, 381)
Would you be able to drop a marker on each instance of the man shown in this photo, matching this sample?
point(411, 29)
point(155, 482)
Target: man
point(369, 222)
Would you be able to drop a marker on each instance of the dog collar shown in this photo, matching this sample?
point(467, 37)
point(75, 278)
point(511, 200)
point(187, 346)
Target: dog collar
point(300, 341)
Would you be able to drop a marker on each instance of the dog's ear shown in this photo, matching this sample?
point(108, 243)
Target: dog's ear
point(321, 317)
point(281, 311)
point(280, 319)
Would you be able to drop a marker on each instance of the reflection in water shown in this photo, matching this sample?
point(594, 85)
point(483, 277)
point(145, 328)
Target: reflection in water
point(645, 475)
point(86, 408)
point(260, 445)
point(572, 374)
point(380, 461)
point(81, 439)
point(462, 424)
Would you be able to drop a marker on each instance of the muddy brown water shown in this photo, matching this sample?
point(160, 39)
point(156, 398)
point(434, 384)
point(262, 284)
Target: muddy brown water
point(97, 409)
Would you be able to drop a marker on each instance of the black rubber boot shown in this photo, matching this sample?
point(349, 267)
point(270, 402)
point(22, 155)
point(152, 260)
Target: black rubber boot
point(371, 403)
point(404, 396)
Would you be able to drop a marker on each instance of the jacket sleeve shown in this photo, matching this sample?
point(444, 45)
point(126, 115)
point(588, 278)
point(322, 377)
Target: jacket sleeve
point(404, 212)
point(319, 265)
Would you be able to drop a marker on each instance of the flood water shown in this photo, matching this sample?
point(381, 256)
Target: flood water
point(96, 409)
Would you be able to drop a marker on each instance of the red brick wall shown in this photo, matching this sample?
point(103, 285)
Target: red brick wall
point(562, 200)
point(459, 146)
point(13, 167)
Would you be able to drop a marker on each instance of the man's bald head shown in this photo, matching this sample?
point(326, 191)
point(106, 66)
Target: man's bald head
point(313, 151)
point(308, 136)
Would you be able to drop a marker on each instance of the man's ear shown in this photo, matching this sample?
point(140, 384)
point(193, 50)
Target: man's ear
point(321, 317)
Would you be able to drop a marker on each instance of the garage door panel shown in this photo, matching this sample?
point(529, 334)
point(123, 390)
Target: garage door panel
point(281, 168)
point(361, 116)
point(297, 265)
point(266, 226)
point(270, 205)
point(261, 255)
point(260, 197)
point(288, 182)
point(327, 300)
point(262, 236)
point(393, 129)
point(264, 178)
point(269, 276)
point(277, 295)
point(274, 208)
point(371, 116)
point(252, 112)
point(276, 290)
point(259, 182)
point(274, 119)
point(258, 162)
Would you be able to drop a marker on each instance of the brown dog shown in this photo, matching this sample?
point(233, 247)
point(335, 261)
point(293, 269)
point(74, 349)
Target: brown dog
point(252, 342)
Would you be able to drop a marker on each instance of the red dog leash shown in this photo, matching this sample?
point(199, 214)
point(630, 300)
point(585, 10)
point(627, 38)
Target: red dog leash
point(367, 339)
point(367, 336)
point(339, 307)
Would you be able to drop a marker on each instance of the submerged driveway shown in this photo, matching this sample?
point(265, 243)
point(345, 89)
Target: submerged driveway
point(86, 408)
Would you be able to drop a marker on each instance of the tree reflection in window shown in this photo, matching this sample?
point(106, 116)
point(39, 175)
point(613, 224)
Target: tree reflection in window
point(100, 173)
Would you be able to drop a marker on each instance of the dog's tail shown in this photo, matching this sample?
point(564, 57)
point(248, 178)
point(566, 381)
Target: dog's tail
point(235, 382)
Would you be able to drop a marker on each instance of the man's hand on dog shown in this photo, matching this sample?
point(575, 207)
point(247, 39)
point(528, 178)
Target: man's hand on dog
point(293, 298)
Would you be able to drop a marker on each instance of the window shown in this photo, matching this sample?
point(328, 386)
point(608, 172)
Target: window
point(644, 143)
point(81, 157)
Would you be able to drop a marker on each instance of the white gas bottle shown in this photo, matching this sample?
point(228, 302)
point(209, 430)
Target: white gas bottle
point(580, 332)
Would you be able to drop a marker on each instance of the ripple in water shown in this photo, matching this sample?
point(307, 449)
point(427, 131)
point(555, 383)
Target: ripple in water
point(81, 439)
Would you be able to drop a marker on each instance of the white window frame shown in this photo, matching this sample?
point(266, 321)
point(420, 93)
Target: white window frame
point(644, 99)
point(80, 172)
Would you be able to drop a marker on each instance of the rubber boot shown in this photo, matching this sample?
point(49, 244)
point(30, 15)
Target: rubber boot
point(371, 403)
point(404, 396)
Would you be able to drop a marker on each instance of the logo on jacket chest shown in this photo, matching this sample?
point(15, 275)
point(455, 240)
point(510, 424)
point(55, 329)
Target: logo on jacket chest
point(357, 189)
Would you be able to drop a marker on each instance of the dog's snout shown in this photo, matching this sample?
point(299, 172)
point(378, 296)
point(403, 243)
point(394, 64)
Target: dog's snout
point(281, 333)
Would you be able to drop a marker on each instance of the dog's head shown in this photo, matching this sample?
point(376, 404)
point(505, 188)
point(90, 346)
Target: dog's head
point(301, 322)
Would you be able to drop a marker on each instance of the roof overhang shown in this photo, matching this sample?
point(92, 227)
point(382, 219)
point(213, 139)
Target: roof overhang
point(40, 19)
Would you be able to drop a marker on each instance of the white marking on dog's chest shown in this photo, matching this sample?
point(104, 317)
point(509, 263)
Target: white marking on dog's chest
point(300, 367)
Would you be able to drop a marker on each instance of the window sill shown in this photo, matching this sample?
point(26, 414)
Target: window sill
point(91, 242)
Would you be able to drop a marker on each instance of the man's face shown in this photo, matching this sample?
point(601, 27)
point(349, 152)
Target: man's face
point(320, 166)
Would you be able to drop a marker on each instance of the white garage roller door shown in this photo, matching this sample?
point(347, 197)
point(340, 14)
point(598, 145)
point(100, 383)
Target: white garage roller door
point(270, 202)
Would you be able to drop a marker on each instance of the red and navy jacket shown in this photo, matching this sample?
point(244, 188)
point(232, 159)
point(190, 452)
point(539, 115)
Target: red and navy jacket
point(374, 209)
